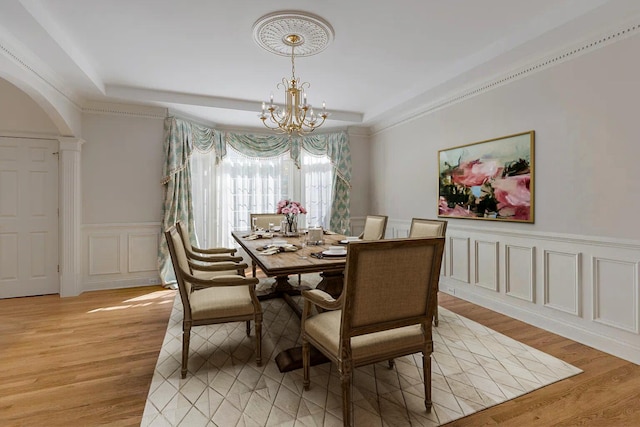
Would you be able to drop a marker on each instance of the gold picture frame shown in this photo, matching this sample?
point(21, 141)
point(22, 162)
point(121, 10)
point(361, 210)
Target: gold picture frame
point(489, 180)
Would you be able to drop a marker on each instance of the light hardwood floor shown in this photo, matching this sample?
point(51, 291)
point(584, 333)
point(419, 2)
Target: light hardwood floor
point(89, 360)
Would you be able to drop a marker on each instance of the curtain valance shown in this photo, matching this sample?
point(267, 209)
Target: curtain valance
point(181, 137)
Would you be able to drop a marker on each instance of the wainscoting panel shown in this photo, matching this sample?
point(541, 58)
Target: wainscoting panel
point(519, 273)
point(562, 281)
point(143, 251)
point(119, 255)
point(615, 293)
point(581, 287)
point(104, 254)
point(486, 264)
point(459, 258)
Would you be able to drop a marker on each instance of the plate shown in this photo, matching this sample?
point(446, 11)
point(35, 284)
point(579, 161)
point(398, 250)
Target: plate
point(345, 241)
point(334, 253)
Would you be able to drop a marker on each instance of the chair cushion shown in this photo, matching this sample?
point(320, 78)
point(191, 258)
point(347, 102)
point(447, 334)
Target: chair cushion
point(221, 301)
point(325, 328)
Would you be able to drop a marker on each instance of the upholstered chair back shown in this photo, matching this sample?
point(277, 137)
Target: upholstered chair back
point(183, 231)
point(264, 219)
point(390, 284)
point(374, 227)
point(180, 263)
point(428, 228)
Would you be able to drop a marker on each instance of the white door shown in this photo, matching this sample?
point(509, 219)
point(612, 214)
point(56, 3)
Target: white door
point(28, 217)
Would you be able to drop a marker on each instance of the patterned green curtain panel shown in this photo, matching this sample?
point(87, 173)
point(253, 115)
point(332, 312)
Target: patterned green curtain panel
point(180, 139)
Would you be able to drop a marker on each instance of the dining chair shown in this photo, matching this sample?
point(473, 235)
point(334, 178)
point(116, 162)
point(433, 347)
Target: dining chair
point(374, 227)
point(421, 227)
point(384, 311)
point(262, 220)
point(210, 256)
point(221, 299)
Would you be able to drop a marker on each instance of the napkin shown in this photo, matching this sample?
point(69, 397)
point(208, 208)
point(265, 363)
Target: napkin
point(258, 236)
point(272, 249)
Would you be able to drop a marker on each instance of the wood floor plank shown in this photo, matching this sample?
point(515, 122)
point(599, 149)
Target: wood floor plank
point(89, 360)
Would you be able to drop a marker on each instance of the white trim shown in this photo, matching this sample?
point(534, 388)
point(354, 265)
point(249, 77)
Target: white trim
point(576, 284)
point(491, 286)
point(620, 32)
point(508, 268)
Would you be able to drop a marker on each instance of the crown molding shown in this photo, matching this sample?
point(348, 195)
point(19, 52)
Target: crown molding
point(129, 110)
point(621, 32)
point(35, 68)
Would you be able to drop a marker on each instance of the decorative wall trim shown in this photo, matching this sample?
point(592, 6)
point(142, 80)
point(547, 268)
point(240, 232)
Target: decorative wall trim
point(459, 258)
point(621, 32)
point(563, 283)
point(595, 303)
point(493, 250)
point(128, 110)
point(602, 293)
point(48, 80)
point(104, 254)
point(142, 252)
point(132, 247)
point(514, 272)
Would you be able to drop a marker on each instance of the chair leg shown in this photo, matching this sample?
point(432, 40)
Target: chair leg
point(258, 322)
point(345, 378)
point(426, 367)
point(253, 269)
point(248, 328)
point(435, 314)
point(186, 335)
point(391, 363)
point(306, 356)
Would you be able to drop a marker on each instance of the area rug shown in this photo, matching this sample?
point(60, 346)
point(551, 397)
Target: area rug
point(473, 368)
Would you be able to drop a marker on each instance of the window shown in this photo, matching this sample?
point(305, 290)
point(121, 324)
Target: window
point(224, 195)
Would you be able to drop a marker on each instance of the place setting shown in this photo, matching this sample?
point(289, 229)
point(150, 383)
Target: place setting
point(332, 252)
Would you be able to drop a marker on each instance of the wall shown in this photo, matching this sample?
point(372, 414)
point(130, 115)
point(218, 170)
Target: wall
point(121, 196)
point(575, 271)
point(20, 114)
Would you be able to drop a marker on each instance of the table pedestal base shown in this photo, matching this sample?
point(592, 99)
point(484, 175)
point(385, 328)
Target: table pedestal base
point(291, 358)
point(283, 289)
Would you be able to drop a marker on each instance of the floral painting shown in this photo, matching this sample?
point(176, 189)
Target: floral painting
point(488, 180)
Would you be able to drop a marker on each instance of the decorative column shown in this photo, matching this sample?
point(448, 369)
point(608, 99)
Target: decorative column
point(70, 216)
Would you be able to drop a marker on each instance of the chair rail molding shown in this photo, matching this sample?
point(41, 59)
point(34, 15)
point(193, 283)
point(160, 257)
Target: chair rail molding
point(584, 288)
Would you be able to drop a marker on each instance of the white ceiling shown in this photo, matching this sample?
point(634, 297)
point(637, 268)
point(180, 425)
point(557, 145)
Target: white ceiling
point(198, 57)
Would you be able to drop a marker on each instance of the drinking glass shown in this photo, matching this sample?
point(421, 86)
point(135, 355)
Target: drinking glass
point(344, 226)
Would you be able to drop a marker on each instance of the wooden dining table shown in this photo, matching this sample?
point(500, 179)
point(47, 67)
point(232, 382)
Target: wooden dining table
point(304, 260)
point(285, 264)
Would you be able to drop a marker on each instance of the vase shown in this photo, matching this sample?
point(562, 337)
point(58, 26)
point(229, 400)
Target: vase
point(291, 226)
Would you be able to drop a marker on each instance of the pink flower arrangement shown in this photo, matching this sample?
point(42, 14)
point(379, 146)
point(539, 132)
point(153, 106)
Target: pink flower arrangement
point(289, 207)
point(290, 210)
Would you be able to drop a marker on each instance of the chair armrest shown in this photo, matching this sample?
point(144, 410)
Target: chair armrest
point(224, 280)
point(218, 266)
point(212, 257)
point(212, 251)
point(322, 299)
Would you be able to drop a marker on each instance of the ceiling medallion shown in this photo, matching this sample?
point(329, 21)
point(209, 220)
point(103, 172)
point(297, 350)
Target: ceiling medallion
point(271, 31)
point(287, 34)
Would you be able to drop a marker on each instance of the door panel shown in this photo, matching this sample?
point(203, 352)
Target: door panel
point(28, 217)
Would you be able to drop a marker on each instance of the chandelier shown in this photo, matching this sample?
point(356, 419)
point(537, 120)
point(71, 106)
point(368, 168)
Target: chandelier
point(282, 33)
point(296, 115)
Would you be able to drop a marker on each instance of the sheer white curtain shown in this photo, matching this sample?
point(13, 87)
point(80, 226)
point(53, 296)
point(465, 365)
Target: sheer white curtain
point(223, 195)
point(317, 178)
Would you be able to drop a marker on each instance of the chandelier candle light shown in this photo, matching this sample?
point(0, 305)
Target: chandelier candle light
point(286, 33)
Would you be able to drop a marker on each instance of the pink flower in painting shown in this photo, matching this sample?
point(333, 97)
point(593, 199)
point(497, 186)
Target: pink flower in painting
point(444, 209)
point(513, 196)
point(475, 172)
